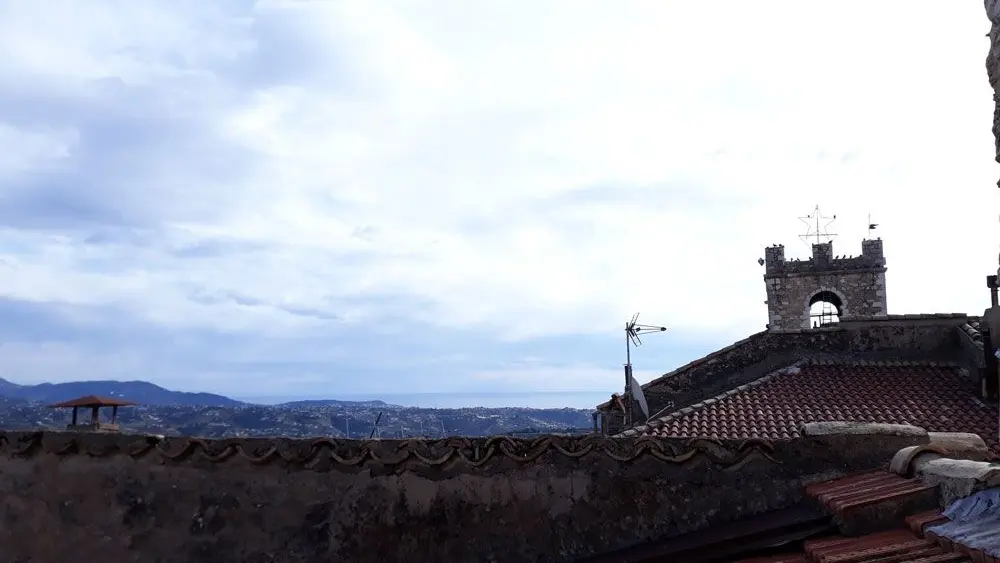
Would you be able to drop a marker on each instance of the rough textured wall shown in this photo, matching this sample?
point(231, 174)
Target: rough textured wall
point(993, 67)
point(116, 498)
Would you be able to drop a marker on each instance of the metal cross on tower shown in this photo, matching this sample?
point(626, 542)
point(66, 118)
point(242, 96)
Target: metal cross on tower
point(817, 226)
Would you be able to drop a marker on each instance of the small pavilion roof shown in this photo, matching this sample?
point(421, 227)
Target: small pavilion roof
point(91, 401)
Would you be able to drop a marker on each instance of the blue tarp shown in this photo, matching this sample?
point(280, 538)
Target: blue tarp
point(975, 522)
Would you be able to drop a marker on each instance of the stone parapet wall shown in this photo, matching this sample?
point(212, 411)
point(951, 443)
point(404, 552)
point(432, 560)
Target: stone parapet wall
point(557, 498)
point(836, 265)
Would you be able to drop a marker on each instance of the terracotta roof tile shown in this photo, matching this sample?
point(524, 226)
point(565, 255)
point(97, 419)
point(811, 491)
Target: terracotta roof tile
point(966, 532)
point(934, 397)
point(865, 489)
point(893, 546)
point(917, 523)
point(791, 558)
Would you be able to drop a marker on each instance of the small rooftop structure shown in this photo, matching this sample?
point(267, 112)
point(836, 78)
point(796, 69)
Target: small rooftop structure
point(94, 403)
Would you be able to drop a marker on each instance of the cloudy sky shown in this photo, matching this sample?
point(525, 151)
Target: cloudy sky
point(329, 198)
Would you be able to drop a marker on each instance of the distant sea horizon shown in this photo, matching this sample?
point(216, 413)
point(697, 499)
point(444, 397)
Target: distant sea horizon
point(521, 399)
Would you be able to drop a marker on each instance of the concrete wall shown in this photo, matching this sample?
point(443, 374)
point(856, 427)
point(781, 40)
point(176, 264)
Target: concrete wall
point(117, 498)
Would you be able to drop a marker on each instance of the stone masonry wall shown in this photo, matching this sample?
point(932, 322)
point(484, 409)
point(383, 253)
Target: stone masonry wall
point(858, 283)
point(118, 498)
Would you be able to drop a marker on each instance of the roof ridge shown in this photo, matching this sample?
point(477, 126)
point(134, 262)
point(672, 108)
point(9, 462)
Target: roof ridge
point(703, 360)
point(709, 357)
point(834, 361)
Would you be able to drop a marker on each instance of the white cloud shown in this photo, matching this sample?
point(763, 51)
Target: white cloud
point(530, 168)
point(28, 150)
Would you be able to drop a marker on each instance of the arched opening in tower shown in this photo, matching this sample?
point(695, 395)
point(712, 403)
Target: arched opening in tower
point(824, 308)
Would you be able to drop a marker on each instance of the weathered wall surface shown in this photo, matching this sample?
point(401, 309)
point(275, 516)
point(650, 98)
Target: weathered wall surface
point(993, 66)
point(857, 282)
point(117, 498)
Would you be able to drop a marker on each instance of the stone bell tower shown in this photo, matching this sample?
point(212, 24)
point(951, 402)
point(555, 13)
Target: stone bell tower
point(845, 285)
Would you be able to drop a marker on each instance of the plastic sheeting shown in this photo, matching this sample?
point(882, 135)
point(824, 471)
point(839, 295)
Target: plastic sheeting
point(974, 522)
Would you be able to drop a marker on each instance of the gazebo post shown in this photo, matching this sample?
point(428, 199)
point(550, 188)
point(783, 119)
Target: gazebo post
point(114, 413)
point(75, 411)
point(95, 418)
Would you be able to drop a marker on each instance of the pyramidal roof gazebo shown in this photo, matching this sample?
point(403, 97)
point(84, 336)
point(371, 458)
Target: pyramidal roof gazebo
point(94, 403)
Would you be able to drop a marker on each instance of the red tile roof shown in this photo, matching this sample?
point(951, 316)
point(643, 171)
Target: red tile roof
point(894, 546)
point(917, 523)
point(891, 546)
point(935, 397)
point(94, 401)
point(864, 489)
point(929, 537)
point(793, 558)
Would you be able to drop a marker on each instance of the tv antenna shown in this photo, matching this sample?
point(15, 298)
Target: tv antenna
point(632, 332)
point(816, 226)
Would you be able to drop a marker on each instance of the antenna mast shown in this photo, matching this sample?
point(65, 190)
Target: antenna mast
point(632, 331)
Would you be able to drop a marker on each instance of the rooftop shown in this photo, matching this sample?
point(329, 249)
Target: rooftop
point(934, 503)
point(935, 396)
point(91, 401)
point(967, 531)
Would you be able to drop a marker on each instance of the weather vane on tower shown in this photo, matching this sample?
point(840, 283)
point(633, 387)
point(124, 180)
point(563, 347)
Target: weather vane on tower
point(813, 223)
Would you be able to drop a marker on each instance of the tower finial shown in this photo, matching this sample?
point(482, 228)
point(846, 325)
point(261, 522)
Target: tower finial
point(815, 229)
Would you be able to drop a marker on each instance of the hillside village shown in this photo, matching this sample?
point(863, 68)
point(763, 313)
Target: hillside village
point(306, 421)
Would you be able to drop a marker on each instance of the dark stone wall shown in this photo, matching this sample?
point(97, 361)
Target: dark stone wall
point(115, 498)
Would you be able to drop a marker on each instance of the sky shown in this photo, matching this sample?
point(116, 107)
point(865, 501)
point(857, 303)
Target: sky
point(339, 198)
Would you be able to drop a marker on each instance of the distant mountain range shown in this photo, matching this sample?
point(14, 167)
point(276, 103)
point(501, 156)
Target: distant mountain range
point(141, 392)
point(176, 413)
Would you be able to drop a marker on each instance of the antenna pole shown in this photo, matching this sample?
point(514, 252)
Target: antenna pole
point(632, 332)
point(628, 347)
point(628, 373)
